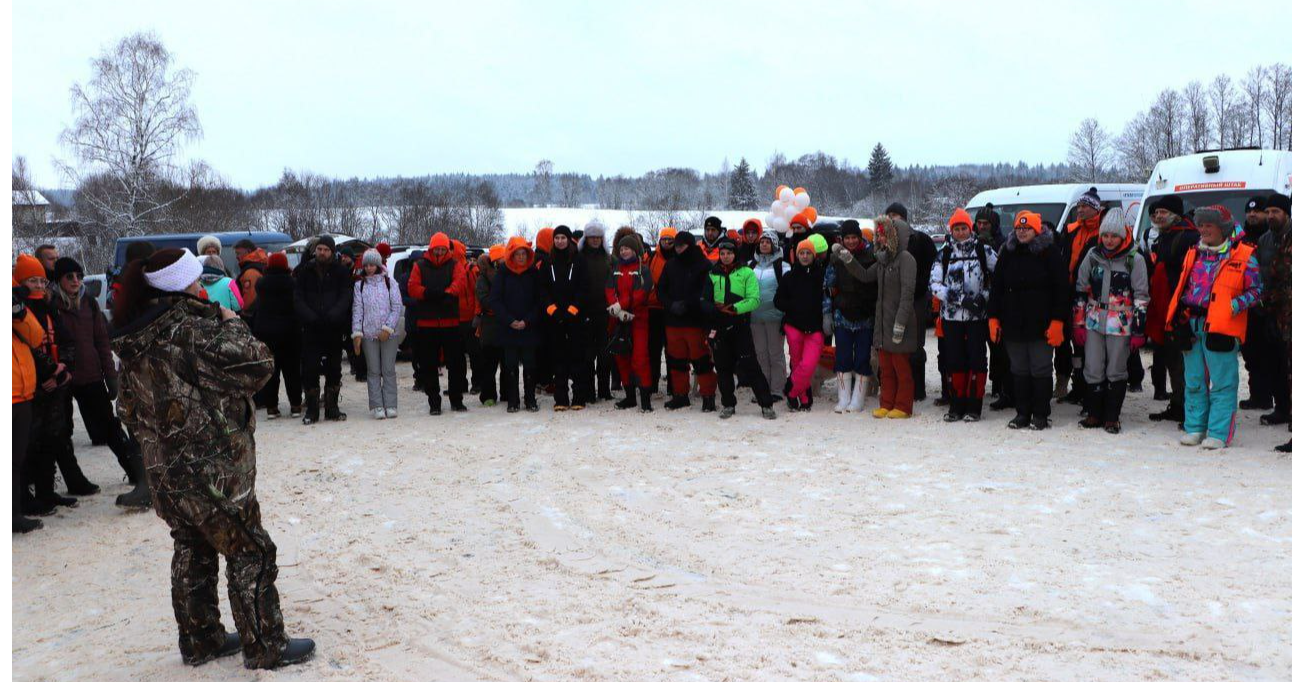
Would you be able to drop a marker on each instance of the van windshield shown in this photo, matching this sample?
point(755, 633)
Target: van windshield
point(1050, 213)
point(1234, 201)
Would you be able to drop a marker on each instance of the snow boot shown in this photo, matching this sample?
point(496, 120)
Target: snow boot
point(1115, 393)
point(708, 403)
point(858, 391)
point(139, 497)
point(1275, 418)
point(959, 402)
point(333, 404)
point(677, 402)
point(531, 392)
point(845, 384)
point(629, 400)
point(1283, 448)
point(644, 400)
point(76, 481)
point(1094, 404)
point(768, 413)
point(311, 405)
point(1171, 413)
point(977, 385)
point(1021, 387)
point(296, 651)
point(22, 524)
point(726, 412)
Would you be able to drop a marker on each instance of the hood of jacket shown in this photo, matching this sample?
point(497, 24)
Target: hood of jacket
point(1042, 241)
point(514, 245)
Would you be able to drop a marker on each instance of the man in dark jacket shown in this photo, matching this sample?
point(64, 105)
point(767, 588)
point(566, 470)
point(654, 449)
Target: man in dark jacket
point(323, 302)
point(1177, 235)
point(920, 247)
point(598, 263)
point(1276, 351)
point(437, 283)
point(410, 317)
point(987, 229)
point(565, 282)
point(680, 289)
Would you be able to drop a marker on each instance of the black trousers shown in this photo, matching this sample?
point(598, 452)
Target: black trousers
point(734, 355)
point(321, 356)
point(517, 359)
point(474, 354)
point(491, 358)
point(22, 432)
point(357, 363)
point(595, 348)
point(431, 342)
point(965, 346)
point(49, 442)
point(287, 359)
point(571, 370)
point(1262, 356)
point(101, 423)
point(1000, 372)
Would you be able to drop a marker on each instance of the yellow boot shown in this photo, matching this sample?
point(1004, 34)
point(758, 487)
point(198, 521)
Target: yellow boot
point(897, 414)
point(880, 412)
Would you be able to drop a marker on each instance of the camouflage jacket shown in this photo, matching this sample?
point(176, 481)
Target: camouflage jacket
point(186, 390)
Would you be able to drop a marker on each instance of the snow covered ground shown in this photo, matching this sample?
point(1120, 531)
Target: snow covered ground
point(610, 545)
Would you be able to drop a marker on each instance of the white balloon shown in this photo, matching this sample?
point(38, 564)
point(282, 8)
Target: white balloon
point(776, 208)
point(802, 200)
point(778, 224)
point(786, 194)
point(790, 211)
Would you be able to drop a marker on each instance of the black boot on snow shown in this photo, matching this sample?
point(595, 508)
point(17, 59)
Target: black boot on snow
point(297, 651)
point(677, 402)
point(139, 497)
point(333, 405)
point(629, 401)
point(644, 400)
point(708, 403)
point(311, 405)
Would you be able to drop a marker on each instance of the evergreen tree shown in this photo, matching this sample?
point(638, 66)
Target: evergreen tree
point(880, 169)
point(742, 188)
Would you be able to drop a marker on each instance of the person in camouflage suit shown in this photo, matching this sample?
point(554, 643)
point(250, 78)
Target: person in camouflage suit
point(189, 372)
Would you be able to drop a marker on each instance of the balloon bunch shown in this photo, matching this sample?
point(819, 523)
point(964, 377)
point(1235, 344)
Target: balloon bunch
point(789, 205)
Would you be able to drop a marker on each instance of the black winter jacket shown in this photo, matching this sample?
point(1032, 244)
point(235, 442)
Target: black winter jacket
point(1028, 288)
point(323, 298)
point(801, 296)
point(680, 288)
point(275, 320)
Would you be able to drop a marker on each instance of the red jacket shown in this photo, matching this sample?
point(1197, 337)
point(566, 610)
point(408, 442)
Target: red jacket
point(631, 286)
point(466, 303)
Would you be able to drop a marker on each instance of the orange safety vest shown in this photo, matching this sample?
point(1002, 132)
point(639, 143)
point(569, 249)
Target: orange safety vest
point(1228, 283)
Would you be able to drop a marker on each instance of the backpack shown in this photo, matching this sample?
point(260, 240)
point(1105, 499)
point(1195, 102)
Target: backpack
point(980, 250)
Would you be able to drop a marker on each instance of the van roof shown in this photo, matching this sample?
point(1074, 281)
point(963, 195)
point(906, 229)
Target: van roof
point(227, 238)
point(1239, 169)
point(1064, 193)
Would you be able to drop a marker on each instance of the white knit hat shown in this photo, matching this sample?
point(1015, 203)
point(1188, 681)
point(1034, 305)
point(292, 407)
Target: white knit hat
point(177, 276)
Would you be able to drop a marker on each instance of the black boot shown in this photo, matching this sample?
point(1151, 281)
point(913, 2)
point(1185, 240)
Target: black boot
point(1093, 401)
point(139, 497)
point(531, 393)
point(76, 481)
point(296, 651)
point(1257, 403)
point(22, 524)
point(677, 402)
point(1284, 447)
point(311, 405)
point(1275, 418)
point(1115, 393)
point(629, 401)
point(708, 403)
point(1043, 388)
point(1021, 386)
point(644, 400)
point(1171, 413)
point(333, 405)
point(436, 403)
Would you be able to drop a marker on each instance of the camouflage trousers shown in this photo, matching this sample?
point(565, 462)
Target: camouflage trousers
point(204, 526)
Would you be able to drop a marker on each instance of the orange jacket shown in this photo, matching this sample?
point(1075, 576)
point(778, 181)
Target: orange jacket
point(467, 306)
point(655, 265)
point(248, 278)
point(27, 335)
point(1228, 283)
point(1080, 233)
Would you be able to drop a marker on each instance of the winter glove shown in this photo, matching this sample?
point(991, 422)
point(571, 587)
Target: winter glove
point(614, 309)
point(20, 293)
point(572, 310)
point(1135, 343)
point(1055, 334)
point(898, 333)
point(841, 253)
point(112, 384)
point(678, 308)
point(552, 310)
point(994, 330)
point(625, 316)
point(828, 325)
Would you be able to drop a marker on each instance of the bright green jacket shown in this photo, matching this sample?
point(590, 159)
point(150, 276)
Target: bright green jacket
point(739, 287)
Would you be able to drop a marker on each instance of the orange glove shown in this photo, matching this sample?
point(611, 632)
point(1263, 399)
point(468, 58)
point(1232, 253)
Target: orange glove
point(938, 328)
point(572, 310)
point(1055, 333)
point(552, 309)
point(994, 329)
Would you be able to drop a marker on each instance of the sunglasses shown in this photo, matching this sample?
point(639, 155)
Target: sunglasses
point(74, 275)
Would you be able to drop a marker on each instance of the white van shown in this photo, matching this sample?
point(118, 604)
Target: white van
point(1227, 177)
point(1057, 204)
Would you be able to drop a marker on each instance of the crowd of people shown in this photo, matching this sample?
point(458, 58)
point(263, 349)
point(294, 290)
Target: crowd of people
point(1041, 316)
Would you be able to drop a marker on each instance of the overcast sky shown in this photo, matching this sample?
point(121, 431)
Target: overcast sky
point(410, 88)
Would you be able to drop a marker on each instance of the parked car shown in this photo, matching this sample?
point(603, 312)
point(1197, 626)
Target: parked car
point(268, 241)
point(1057, 204)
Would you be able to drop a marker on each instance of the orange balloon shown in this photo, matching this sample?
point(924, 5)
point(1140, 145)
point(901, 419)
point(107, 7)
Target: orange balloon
point(799, 190)
point(810, 214)
point(778, 189)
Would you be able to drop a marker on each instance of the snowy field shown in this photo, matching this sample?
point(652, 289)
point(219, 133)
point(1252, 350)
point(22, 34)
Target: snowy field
point(611, 545)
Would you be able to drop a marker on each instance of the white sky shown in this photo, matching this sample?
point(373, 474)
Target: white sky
point(409, 88)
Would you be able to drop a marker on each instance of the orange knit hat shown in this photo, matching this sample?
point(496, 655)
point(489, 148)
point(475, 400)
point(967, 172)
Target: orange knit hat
point(27, 266)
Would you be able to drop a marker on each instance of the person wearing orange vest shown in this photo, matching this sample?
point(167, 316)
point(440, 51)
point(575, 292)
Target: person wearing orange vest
point(468, 307)
point(28, 338)
point(1207, 318)
point(712, 235)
